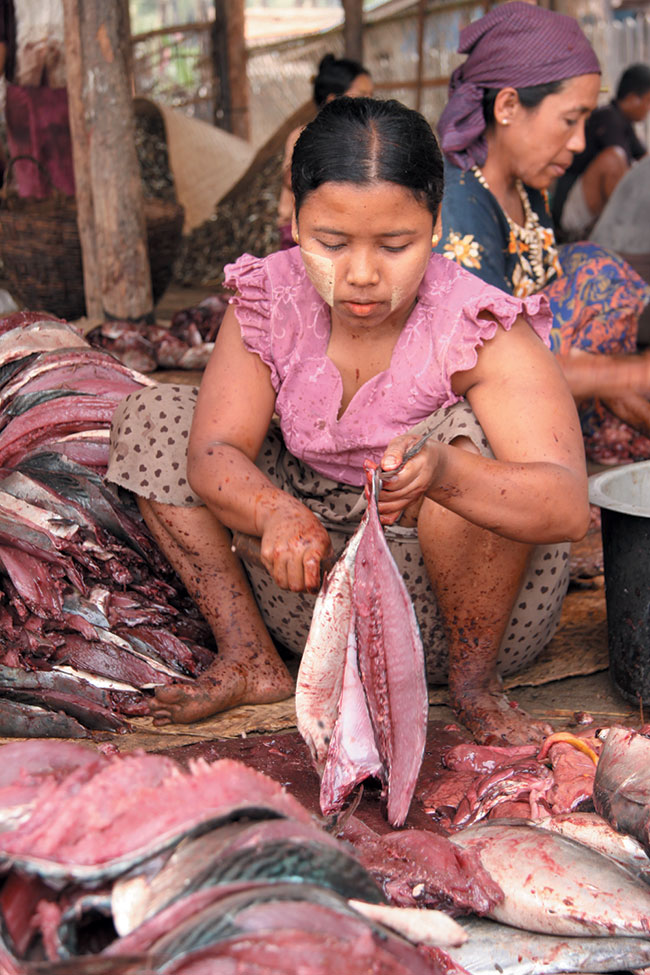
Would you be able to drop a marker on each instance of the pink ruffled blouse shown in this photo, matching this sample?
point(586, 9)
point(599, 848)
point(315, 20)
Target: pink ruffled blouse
point(285, 321)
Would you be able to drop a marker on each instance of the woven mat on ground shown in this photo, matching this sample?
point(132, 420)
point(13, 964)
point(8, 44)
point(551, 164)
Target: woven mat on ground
point(578, 648)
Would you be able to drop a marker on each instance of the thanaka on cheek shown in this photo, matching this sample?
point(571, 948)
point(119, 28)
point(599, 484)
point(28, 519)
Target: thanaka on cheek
point(320, 271)
point(396, 297)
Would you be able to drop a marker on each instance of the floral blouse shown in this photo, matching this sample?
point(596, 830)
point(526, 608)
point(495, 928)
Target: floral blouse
point(481, 237)
point(286, 322)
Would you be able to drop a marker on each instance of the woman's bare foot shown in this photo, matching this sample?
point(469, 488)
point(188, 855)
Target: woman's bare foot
point(493, 719)
point(248, 668)
point(252, 678)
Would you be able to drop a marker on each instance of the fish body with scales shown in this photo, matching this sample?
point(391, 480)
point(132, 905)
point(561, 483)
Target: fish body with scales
point(391, 664)
point(375, 707)
point(498, 949)
point(320, 676)
point(621, 791)
point(592, 830)
point(554, 885)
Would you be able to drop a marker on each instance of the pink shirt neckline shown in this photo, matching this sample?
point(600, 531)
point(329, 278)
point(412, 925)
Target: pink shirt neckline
point(286, 322)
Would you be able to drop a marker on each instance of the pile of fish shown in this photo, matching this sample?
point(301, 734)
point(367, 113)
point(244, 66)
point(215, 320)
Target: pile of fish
point(151, 149)
point(551, 841)
point(575, 886)
point(214, 868)
point(186, 344)
point(113, 863)
point(91, 614)
point(244, 222)
point(361, 695)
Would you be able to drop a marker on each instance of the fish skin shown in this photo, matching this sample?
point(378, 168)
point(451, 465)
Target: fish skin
point(554, 885)
point(352, 755)
point(36, 517)
point(29, 721)
point(9, 369)
point(86, 489)
point(21, 404)
point(271, 851)
point(309, 938)
point(168, 918)
point(39, 337)
point(391, 664)
point(106, 666)
point(59, 873)
point(28, 489)
point(81, 907)
point(9, 964)
point(275, 908)
point(144, 651)
point(77, 698)
point(55, 843)
point(320, 676)
point(498, 949)
point(79, 372)
point(34, 429)
point(382, 716)
point(593, 830)
point(622, 784)
point(91, 965)
point(52, 369)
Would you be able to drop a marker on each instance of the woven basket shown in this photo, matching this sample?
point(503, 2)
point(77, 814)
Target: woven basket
point(41, 251)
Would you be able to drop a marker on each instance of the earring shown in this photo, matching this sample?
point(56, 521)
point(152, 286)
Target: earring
point(296, 238)
point(505, 121)
point(434, 240)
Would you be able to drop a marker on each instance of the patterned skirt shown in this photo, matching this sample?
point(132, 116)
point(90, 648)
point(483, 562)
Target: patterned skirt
point(596, 306)
point(149, 438)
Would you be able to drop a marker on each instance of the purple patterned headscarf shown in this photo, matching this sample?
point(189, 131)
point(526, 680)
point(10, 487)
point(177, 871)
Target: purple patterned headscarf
point(515, 45)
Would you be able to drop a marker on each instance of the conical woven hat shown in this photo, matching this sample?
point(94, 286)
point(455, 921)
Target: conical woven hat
point(205, 162)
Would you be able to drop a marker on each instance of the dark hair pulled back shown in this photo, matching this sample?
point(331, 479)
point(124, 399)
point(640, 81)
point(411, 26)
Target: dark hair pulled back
point(529, 97)
point(635, 80)
point(365, 140)
point(335, 75)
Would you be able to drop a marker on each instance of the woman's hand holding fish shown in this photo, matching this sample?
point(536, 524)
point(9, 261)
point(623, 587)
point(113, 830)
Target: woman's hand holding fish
point(294, 544)
point(403, 488)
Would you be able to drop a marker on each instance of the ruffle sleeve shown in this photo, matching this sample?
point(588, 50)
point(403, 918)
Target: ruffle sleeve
point(468, 313)
point(503, 310)
point(249, 278)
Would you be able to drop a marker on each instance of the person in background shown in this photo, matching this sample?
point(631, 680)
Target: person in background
point(336, 76)
point(32, 65)
point(624, 227)
point(360, 340)
point(611, 147)
point(513, 124)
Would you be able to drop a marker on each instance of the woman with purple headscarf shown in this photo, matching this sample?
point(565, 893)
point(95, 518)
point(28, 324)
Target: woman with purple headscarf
point(513, 123)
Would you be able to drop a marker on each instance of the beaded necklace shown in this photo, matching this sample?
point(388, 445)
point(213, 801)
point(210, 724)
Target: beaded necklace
point(533, 245)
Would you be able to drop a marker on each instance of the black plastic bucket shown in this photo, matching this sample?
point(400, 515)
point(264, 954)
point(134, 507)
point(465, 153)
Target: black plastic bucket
point(623, 495)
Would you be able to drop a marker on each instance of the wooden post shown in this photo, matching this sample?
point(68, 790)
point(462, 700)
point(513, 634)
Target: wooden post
point(100, 43)
point(229, 53)
point(353, 29)
point(125, 15)
point(222, 108)
point(420, 65)
point(81, 160)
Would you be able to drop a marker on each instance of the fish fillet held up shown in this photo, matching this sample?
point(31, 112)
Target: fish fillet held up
point(361, 699)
